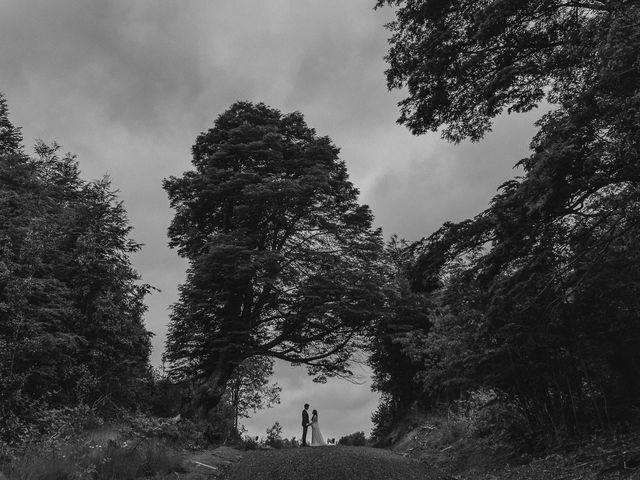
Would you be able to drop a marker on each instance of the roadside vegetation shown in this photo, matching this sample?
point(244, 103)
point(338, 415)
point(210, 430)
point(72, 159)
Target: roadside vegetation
point(79, 443)
point(514, 334)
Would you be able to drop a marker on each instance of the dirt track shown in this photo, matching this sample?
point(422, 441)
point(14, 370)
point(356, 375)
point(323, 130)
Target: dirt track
point(327, 463)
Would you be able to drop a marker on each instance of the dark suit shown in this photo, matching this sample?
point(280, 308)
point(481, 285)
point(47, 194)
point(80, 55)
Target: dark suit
point(305, 425)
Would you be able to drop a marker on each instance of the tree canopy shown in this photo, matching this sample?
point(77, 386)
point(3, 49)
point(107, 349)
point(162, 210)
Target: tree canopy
point(283, 260)
point(464, 61)
point(71, 305)
point(537, 296)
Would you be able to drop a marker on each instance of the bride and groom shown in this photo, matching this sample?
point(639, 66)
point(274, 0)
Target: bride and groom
point(317, 439)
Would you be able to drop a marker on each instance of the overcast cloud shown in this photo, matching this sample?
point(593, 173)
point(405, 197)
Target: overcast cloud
point(127, 85)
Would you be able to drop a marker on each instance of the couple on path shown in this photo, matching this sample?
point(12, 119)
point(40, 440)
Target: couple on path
point(316, 437)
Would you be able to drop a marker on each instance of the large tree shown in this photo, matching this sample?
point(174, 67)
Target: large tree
point(547, 277)
point(283, 260)
point(71, 305)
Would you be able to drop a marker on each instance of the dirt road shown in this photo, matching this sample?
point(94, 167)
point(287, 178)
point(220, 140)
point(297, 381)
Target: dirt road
point(327, 463)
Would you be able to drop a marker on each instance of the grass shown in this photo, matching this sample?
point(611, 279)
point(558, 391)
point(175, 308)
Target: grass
point(77, 444)
point(115, 460)
point(460, 450)
point(42, 466)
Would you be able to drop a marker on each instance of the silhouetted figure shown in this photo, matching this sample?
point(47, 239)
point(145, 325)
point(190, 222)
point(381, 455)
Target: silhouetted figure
point(305, 424)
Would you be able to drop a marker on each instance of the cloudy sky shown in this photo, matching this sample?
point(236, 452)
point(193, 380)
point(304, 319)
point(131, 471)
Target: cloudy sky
point(128, 85)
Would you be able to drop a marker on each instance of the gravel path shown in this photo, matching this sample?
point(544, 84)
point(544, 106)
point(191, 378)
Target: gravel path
point(328, 463)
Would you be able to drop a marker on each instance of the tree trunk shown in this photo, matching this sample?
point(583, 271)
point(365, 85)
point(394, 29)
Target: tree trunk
point(227, 356)
point(209, 394)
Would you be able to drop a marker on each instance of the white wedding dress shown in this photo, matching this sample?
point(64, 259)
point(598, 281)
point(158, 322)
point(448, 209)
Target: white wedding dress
point(317, 440)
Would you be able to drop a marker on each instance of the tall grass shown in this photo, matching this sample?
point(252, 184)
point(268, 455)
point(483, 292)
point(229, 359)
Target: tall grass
point(112, 461)
point(36, 465)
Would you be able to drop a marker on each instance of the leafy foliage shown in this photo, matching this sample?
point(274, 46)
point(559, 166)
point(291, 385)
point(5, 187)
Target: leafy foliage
point(249, 389)
point(10, 136)
point(356, 439)
point(284, 262)
point(274, 436)
point(464, 62)
point(395, 371)
point(84, 458)
point(537, 296)
point(71, 305)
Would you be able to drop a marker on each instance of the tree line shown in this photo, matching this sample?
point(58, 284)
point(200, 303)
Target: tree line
point(534, 299)
point(72, 308)
point(71, 305)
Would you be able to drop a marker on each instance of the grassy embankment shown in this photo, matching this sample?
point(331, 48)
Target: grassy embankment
point(461, 451)
point(77, 444)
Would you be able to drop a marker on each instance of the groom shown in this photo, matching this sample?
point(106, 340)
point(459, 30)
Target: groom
point(305, 424)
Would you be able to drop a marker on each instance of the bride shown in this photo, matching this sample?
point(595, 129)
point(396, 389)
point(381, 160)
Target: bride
point(317, 439)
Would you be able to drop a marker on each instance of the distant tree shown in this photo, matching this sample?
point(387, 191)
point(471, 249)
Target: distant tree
point(10, 136)
point(249, 389)
point(284, 262)
point(465, 61)
point(395, 370)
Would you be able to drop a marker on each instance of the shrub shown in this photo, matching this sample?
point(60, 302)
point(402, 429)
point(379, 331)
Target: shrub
point(47, 424)
point(145, 458)
point(115, 460)
point(290, 443)
point(449, 430)
point(274, 436)
point(111, 452)
point(486, 413)
point(250, 443)
point(356, 439)
point(38, 464)
point(166, 397)
point(180, 431)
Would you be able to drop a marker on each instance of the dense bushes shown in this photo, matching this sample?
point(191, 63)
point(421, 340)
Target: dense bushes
point(78, 443)
point(274, 436)
point(356, 439)
point(115, 459)
point(272, 440)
